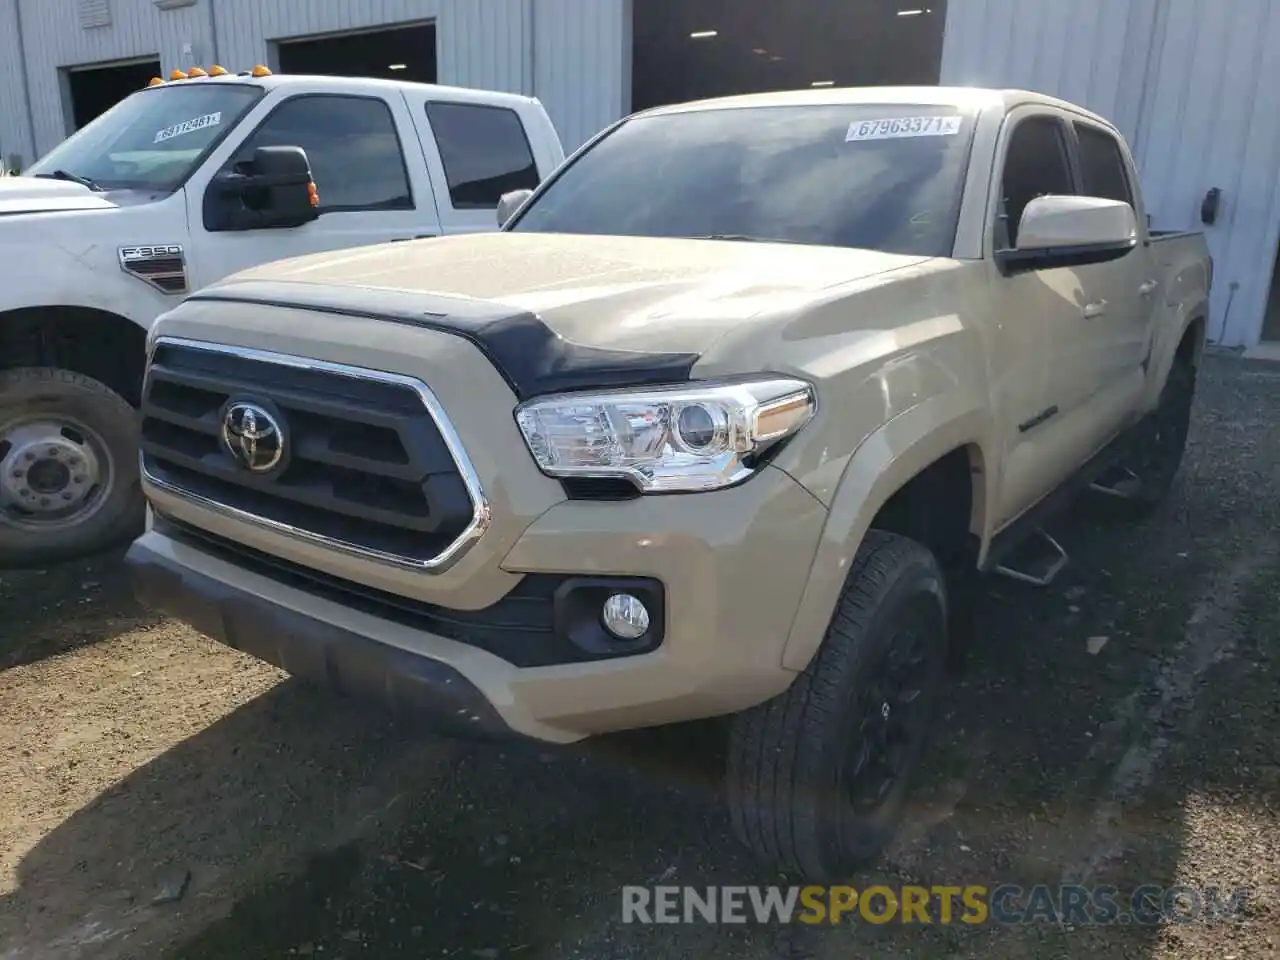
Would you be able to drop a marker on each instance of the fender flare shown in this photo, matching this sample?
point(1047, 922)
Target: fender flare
point(880, 466)
point(1166, 347)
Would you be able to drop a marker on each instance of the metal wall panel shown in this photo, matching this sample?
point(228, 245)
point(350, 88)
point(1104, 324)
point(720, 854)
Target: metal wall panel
point(246, 28)
point(1091, 52)
point(573, 54)
point(484, 44)
point(54, 39)
point(1188, 82)
point(15, 121)
point(1211, 121)
point(582, 64)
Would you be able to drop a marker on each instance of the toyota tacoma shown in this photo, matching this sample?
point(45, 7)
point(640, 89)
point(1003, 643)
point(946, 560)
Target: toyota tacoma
point(727, 419)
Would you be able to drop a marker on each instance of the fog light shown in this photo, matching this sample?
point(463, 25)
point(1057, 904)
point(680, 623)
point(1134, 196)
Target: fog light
point(625, 616)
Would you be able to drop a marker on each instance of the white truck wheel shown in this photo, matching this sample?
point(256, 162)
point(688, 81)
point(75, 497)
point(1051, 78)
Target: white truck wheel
point(68, 467)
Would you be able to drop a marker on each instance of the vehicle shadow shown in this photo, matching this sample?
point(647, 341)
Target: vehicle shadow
point(312, 827)
point(52, 611)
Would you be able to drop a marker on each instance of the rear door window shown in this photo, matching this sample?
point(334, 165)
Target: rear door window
point(484, 151)
point(1102, 165)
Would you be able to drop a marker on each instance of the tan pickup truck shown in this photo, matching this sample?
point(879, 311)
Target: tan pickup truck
point(726, 420)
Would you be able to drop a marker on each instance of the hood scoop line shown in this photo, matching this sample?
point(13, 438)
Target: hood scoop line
point(533, 358)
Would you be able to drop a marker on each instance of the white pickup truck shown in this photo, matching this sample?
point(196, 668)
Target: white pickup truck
point(725, 421)
point(174, 188)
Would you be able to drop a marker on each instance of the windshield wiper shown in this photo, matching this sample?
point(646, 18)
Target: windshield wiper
point(742, 237)
point(73, 177)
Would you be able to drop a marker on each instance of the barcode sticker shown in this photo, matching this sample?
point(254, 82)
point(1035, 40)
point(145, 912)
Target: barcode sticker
point(188, 126)
point(897, 128)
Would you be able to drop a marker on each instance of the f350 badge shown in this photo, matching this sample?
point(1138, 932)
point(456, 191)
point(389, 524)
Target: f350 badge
point(161, 252)
point(163, 266)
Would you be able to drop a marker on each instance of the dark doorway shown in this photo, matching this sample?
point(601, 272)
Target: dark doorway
point(95, 90)
point(689, 49)
point(1271, 319)
point(397, 53)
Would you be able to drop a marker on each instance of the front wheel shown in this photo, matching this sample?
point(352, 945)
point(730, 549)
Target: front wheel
point(69, 482)
point(818, 775)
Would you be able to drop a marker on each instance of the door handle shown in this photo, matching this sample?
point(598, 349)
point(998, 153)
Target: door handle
point(1095, 309)
point(1148, 288)
point(419, 236)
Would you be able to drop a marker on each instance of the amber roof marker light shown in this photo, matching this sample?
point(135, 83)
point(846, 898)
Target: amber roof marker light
point(217, 70)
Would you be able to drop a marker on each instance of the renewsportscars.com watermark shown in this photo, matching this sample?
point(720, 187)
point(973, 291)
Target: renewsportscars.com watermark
point(971, 904)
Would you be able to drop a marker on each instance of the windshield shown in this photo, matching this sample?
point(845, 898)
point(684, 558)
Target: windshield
point(153, 139)
point(880, 177)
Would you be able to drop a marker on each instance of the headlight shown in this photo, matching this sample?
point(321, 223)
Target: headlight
point(665, 439)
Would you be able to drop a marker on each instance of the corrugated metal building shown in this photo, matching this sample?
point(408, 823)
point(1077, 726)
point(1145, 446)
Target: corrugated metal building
point(1190, 84)
point(1186, 80)
point(572, 54)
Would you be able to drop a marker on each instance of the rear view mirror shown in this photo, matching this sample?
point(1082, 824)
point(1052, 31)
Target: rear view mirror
point(510, 203)
point(273, 189)
point(1060, 231)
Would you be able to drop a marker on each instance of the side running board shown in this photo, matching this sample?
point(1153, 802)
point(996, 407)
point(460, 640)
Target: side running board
point(1119, 482)
point(1037, 561)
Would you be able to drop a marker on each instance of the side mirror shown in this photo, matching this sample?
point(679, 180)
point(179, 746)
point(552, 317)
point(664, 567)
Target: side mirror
point(1061, 231)
point(273, 190)
point(510, 203)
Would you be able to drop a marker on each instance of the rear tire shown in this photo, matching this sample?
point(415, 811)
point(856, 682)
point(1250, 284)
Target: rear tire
point(817, 776)
point(1162, 439)
point(69, 483)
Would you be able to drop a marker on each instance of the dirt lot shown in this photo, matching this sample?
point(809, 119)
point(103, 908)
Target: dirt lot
point(1121, 727)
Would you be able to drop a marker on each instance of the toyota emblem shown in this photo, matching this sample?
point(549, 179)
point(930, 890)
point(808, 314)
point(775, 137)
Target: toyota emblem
point(253, 437)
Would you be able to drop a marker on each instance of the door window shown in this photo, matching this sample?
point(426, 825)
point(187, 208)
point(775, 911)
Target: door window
point(484, 151)
point(1102, 165)
point(1035, 164)
point(356, 158)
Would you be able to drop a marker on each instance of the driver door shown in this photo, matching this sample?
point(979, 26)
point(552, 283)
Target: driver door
point(1040, 312)
point(365, 178)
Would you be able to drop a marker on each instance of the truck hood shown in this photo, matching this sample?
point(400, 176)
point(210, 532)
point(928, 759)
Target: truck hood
point(622, 293)
point(38, 195)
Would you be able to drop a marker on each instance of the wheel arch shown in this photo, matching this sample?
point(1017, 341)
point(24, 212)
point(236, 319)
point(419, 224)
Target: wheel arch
point(95, 342)
point(1191, 342)
point(928, 441)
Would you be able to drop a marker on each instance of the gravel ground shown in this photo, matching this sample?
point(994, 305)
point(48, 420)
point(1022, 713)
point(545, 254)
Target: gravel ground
point(1120, 727)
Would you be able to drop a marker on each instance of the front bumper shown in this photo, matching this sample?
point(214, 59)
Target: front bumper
point(306, 645)
point(733, 565)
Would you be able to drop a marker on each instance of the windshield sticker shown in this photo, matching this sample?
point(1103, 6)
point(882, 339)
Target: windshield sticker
point(188, 126)
point(897, 128)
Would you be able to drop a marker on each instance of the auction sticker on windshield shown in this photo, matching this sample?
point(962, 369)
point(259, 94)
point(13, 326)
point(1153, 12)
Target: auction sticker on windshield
point(188, 126)
point(895, 128)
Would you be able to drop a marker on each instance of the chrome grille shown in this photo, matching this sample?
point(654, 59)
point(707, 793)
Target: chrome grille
point(374, 467)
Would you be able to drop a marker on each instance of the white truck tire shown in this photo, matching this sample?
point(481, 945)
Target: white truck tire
point(69, 483)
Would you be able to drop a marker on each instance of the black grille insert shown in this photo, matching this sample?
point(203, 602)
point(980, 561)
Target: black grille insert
point(366, 466)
